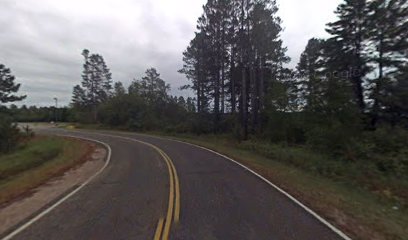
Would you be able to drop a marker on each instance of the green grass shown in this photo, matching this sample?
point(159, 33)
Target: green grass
point(35, 162)
point(36, 152)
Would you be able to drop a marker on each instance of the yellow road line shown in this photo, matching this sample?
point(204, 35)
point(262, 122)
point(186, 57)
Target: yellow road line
point(174, 193)
point(177, 191)
point(167, 225)
point(159, 229)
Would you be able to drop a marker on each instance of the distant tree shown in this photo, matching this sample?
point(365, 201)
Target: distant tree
point(134, 87)
point(96, 81)
point(309, 74)
point(182, 102)
point(191, 106)
point(119, 89)
point(151, 87)
point(78, 97)
point(8, 87)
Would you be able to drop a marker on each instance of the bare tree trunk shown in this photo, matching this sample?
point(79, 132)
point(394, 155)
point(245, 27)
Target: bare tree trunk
point(199, 88)
point(232, 84)
point(244, 105)
point(222, 86)
point(252, 97)
point(262, 84)
point(222, 69)
point(261, 91)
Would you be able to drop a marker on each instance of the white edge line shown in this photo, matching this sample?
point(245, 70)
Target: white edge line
point(310, 211)
point(59, 202)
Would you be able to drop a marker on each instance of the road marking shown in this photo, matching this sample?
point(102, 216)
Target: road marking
point(59, 202)
point(177, 185)
point(167, 225)
point(174, 192)
point(310, 211)
point(307, 209)
point(159, 229)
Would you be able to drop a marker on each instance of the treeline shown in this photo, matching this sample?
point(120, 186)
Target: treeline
point(40, 114)
point(144, 105)
point(346, 98)
point(342, 90)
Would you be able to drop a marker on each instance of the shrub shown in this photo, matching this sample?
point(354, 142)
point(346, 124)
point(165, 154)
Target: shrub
point(284, 127)
point(335, 139)
point(387, 149)
point(9, 134)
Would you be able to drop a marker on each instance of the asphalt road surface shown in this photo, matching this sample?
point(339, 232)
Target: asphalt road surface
point(172, 190)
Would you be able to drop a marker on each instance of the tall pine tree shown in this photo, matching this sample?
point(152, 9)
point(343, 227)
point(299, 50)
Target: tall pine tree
point(96, 83)
point(346, 49)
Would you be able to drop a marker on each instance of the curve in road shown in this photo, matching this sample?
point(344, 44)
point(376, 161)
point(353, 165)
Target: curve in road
point(220, 200)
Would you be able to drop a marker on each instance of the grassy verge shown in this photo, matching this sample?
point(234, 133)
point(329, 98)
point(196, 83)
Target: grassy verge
point(359, 211)
point(38, 160)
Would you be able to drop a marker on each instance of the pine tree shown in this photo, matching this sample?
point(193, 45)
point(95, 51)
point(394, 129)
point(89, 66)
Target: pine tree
point(96, 81)
point(345, 49)
point(387, 23)
point(119, 89)
point(268, 54)
point(8, 87)
point(309, 74)
point(235, 53)
point(191, 107)
point(79, 100)
point(9, 132)
point(196, 70)
point(394, 99)
point(151, 87)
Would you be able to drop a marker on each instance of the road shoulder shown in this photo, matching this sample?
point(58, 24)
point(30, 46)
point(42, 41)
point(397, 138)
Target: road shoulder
point(16, 212)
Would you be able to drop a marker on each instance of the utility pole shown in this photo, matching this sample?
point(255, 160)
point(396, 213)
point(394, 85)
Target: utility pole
point(56, 109)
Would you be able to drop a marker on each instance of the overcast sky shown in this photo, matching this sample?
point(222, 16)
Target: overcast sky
point(41, 40)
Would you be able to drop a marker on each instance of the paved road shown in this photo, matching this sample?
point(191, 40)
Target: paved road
point(130, 199)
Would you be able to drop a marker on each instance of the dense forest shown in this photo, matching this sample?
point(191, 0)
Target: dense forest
point(347, 96)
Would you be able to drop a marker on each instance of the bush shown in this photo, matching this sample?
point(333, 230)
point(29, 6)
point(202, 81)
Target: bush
point(387, 149)
point(284, 127)
point(9, 134)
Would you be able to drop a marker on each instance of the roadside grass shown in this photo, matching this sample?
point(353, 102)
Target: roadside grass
point(35, 162)
point(360, 211)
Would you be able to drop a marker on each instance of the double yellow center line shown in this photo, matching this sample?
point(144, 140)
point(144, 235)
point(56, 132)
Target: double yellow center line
point(173, 210)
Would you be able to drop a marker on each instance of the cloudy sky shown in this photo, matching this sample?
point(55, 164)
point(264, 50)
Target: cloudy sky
point(41, 40)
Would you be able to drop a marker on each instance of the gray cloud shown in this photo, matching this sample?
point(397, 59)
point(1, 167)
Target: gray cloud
point(42, 41)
